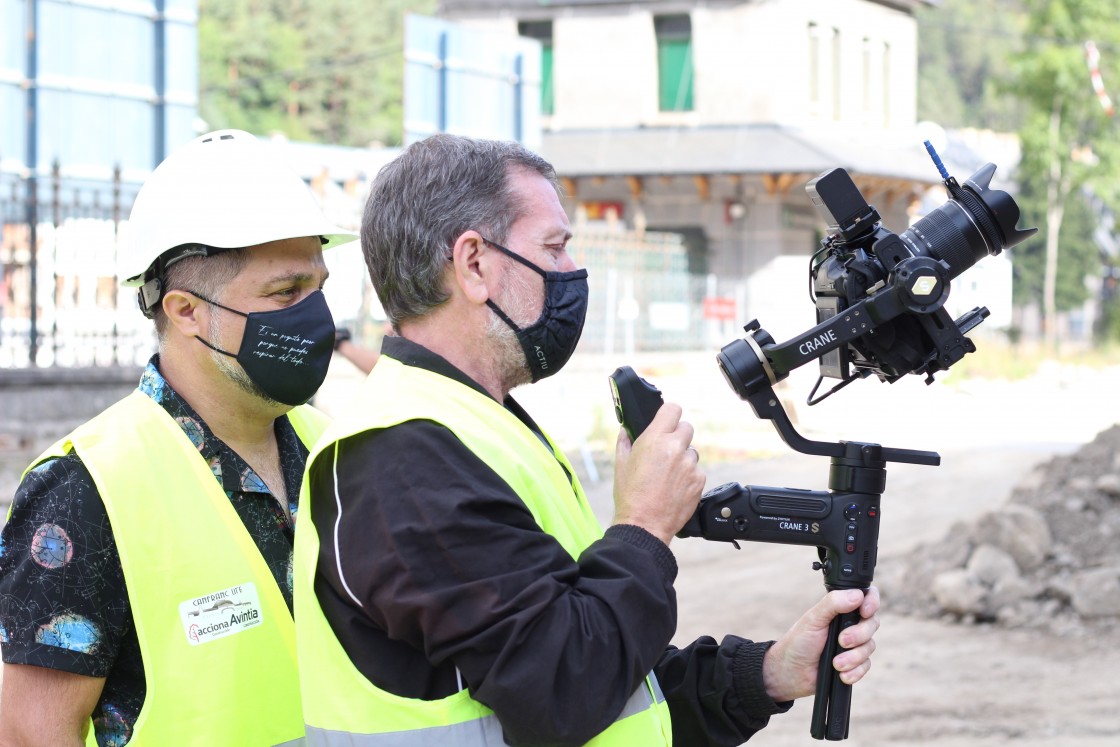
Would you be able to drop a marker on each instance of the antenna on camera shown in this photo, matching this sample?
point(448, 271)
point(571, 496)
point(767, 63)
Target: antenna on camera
point(936, 160)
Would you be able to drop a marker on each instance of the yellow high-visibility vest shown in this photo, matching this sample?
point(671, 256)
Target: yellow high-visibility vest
point(216, 637)
point(341, 706)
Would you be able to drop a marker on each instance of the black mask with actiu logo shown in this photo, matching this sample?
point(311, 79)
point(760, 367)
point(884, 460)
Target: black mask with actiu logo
point(549, 342)
point(285, 352)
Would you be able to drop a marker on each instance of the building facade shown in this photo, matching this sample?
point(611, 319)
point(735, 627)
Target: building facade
point(709, 118)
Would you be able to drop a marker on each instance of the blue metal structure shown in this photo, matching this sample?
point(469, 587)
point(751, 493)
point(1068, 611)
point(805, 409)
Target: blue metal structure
point(470, 82)
point(96, 84)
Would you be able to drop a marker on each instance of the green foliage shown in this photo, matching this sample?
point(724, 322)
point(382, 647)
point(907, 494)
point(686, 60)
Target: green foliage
point(1108, 324)
point(963, 46)
point(324, 70)
point(1080, 256)
point(1021, 65)
point(1068, 141)
point(1108, 329)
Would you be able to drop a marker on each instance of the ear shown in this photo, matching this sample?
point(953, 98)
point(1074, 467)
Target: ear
point(472, 263)
point(185, 313)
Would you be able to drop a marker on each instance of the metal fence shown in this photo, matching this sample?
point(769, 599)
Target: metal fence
point(61, 250)
point(643, 299)
point(60, 300)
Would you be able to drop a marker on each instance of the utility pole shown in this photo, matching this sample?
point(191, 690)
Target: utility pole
point(159, 82)
point(32, 129)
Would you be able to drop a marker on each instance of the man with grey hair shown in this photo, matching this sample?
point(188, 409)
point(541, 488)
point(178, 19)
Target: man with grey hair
point(451, 582)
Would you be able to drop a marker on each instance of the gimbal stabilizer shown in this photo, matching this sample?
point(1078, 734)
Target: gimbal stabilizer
point(842, 523)
point(880, 307)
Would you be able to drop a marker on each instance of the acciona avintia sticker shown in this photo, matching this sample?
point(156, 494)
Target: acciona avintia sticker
point(222, 613)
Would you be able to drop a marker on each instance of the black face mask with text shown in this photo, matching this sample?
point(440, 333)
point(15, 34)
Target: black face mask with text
point(549, 342)
point(285, 352)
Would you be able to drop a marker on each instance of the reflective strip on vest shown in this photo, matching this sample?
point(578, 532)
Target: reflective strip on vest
point(340, 705)
point(483, 732)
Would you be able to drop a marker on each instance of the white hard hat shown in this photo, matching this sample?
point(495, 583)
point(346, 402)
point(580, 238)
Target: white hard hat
point(223, 190)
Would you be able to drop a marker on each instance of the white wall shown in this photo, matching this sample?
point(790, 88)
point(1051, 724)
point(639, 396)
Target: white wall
point(750, 60)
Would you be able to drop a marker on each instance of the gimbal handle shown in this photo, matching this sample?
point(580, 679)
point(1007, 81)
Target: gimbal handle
point(858, 467)
point(832, 705)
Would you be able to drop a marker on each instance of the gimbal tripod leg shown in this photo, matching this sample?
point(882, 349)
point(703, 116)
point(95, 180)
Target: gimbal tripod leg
point(833, 702)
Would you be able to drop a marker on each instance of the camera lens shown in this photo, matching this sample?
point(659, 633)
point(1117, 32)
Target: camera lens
point(976, 222)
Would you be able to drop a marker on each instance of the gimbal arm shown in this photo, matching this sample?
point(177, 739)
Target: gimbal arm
point(917, 285)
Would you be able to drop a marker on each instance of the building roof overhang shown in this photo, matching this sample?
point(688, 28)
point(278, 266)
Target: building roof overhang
point(734, 150)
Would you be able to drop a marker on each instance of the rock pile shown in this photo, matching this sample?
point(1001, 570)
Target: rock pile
point(1049, 558)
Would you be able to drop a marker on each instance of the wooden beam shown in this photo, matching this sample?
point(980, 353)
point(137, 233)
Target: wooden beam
point(776, 184)
point(635, 185)
point(703, 186)
point(914, 203)
point(884, 192)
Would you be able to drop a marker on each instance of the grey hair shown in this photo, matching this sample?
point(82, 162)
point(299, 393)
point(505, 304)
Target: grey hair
point(427, 197)
point(206, 275)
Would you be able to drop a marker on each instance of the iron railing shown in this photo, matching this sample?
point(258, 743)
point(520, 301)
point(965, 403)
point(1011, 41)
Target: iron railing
point(60, 300)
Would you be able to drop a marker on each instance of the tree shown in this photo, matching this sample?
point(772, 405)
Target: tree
point(1068, 139)
point(962, 49)
point(1108, 326)
point(324, 70)
point(1080, 255)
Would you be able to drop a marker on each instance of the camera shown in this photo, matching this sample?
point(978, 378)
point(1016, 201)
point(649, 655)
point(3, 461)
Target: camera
point(861, 257)
point(879, 295)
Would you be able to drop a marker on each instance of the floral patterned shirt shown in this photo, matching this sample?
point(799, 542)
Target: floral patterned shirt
point(63, 601)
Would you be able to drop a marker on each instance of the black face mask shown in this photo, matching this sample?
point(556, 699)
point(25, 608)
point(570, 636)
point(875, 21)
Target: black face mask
point(550, 341)
point(285, 352)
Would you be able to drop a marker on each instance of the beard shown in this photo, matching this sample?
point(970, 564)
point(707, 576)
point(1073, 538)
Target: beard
point(513, 300)
point(232, 370)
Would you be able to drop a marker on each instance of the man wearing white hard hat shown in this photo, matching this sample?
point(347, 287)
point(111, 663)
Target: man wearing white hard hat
point(145, 565)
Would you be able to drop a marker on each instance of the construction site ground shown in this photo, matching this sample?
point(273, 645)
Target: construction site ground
point(935, 680)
